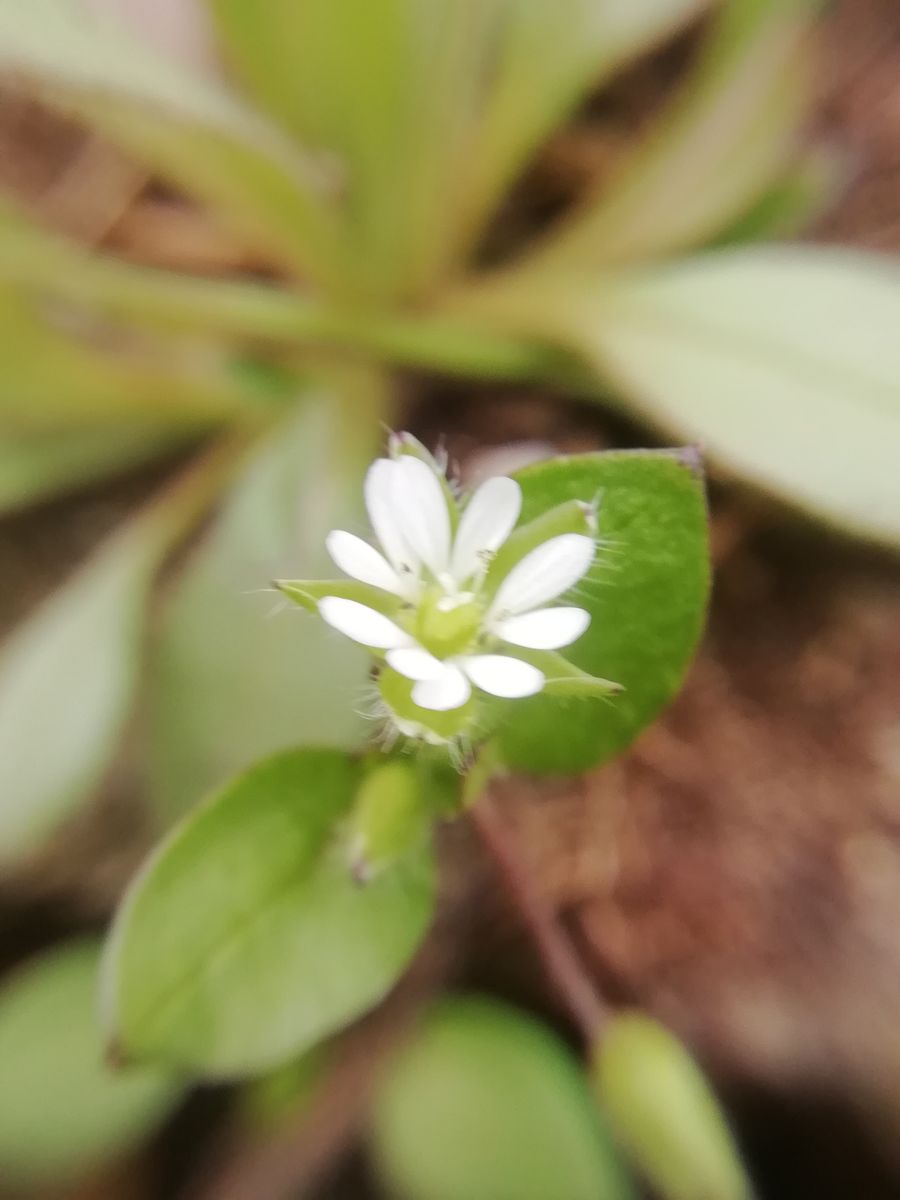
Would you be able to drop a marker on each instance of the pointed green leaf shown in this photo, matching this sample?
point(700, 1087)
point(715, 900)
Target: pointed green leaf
point(240, 673)
point(720, 146)
point(187, 127)
point(484, 1103)
point(62, 1108)
point(246, 939)
point(646, 594)
point(665, 1114)
point(68, 672)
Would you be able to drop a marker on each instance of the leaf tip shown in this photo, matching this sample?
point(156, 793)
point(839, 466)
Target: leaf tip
point(691, 457)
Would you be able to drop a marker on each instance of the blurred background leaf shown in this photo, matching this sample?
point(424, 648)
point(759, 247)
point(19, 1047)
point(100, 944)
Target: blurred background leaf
point(42, 465)
point(62, 1108)
point(69, 671)
point(486, 1104)
point(246, 939)
point(783, 362)
point(664, 1113)
point(729, 134)
point(238, 674)
point(187, 127)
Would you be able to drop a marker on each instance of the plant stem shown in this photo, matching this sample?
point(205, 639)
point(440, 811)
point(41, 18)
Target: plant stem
point(558, 955)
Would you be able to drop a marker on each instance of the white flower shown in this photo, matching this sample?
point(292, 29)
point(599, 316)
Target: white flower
point(453, 624)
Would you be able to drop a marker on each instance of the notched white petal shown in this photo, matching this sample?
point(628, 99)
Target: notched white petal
point(385, 521)
point(545, 573)
point(502, 676)
point(361, 561)
point(420, 505)
point(362, 624)
point(415, 663)
point(544, 628)
point(489, 518)
point(450, 690)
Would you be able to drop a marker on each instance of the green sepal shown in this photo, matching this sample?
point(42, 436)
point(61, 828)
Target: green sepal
point(572, 516)
point(308, 592)
point(564, 678)
point(437, 728)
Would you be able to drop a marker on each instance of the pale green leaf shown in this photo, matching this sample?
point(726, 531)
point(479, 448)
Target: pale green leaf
point(246, 938)
point(723, 142)
point(486, 1104)
point(34, 468)
point(432, 109)
point(646, 594)
point(664, 1113)
point(548, 56)
point(60, 369)
point(68, 672)
point(62, 1108)
point(239, 673)
point(784, 362)
point(187, 127)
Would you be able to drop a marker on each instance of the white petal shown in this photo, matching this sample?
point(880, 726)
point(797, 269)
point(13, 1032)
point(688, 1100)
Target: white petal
point(487, 522)
point(421, 508)
point(362, 624)
point(544, 628)
point(544, 574)
point(502, 676)
point(415, 663)
point(385, 520)
point(450, 690)
point(361, 561)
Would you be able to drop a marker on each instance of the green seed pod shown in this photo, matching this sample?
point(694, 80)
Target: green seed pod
point(665, 1114)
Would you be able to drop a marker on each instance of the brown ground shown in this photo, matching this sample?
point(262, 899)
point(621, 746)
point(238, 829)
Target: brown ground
point(739, 871)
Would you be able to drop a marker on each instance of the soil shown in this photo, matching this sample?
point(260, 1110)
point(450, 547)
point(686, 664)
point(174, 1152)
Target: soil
point(738, 872)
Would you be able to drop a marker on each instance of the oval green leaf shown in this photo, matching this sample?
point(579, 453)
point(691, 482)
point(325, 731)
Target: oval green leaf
point(246, 939)
point(646, 594)
point(62, 1108)
point(485, 1104)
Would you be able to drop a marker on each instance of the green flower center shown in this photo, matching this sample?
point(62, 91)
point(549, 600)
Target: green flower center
point(447, 626)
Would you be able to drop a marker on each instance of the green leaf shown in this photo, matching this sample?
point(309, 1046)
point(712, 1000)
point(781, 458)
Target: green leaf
point(432, 109)
point(238, 673)
point(716, 151)
point(68, 672)
point(547, 57)
point(783, 361)
point(37, 467)
point(60, 375)
point(665, 1114)
point(245, 939)
point(61, 1108)
point(646, 594)
point(486, 1104)
point(184, 126)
